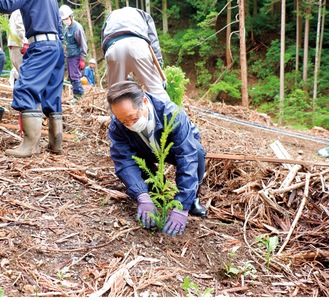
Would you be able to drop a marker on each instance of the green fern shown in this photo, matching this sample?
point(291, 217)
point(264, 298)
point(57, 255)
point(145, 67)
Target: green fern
point(162, 190)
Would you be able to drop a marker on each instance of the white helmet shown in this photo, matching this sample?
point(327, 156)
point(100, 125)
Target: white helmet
point(92, 61)
point(65, 11)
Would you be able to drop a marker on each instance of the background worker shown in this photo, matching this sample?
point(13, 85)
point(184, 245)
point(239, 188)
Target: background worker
point(139, 120)
point(17, 42)
point(126, 36)
point(89, 72)
point(41, 75)
point(75, 51)
point(2, 64)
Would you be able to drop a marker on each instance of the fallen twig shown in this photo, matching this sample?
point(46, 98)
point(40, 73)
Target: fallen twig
point(298, 215)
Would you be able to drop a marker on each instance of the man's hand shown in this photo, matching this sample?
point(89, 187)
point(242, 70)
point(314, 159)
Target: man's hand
point(25, 46)
point(81, 64)
point(176, 222)
point(145, 206)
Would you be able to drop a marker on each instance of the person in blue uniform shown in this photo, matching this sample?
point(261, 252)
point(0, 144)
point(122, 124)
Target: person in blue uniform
point(138, 121)
point(76, 48)
point(40, 82)
point(89, 72)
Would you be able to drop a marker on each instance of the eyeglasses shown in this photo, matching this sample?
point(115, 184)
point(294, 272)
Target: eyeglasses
point(133, 120)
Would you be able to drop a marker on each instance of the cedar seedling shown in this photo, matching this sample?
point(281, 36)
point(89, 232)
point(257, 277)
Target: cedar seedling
point(162, 190)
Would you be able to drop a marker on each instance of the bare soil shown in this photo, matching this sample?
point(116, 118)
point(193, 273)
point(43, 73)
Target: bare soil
point(68, 229)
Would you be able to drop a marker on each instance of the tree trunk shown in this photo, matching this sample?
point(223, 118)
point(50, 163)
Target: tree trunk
point(306, 39)
point(93, 48)
point(108, 5)
point(317, 57)
point(243, 55)
point(322, 26)
point(254, 15)
point(298, 35)
point(164, 16)
point(228, 34)
point(282, 65)
point(148, 6)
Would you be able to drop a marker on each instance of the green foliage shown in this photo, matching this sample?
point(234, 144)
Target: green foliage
point(203, 76)
point(266, 67)
point(192, 289)
point(176, 84)
point(230, 84)
point(162, 190)
point(264, 91)
point(2, 293)
point(203, 9)
point(270, 243)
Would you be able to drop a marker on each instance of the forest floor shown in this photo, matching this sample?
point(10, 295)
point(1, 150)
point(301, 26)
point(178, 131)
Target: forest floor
point(67, 228)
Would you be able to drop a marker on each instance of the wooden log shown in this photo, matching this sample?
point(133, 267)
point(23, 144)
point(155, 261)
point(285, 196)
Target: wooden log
point(280, 152)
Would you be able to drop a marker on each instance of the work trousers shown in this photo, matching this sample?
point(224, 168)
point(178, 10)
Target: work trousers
point(40, 80)
point(75, 75)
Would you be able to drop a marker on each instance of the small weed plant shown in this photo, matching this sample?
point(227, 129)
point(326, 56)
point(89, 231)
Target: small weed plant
point(2, 293)
point(270, 243)
point(247, 270)
point(63, 273)
point(162, 190)
point(230, 269)
point(192, 289)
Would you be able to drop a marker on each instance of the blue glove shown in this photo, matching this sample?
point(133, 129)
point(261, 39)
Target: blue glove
point(176, 222)
point(145, 206)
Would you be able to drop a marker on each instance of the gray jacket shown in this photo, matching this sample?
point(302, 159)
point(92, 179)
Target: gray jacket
point(129, 20)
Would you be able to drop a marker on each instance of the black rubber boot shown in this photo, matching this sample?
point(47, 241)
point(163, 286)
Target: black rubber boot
point(197, 209)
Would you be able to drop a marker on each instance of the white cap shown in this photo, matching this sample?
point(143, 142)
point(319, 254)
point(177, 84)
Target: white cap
point(65, 11)
point(92, 61)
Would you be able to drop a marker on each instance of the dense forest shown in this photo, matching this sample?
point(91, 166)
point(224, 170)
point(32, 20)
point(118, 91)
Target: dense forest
point(286, 51)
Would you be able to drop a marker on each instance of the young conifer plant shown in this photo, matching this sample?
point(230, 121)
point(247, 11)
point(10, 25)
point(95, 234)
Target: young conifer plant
point(162, 190)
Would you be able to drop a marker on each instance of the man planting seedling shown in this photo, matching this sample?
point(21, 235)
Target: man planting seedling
point(137, 125)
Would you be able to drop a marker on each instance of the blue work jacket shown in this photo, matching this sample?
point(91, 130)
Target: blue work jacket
point(89, 73)
point(75, 41)
point(183, 154)
point(39, 16)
